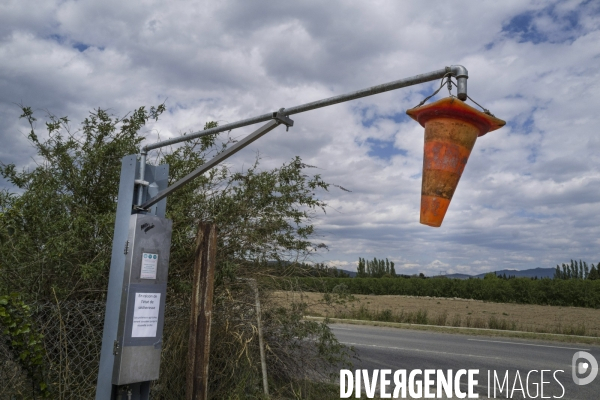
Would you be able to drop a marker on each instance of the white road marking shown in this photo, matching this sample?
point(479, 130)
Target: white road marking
point(422, 351)
point(343, 329)
point(527, 344)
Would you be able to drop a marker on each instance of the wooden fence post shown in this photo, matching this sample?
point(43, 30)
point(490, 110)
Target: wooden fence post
point(202, 299)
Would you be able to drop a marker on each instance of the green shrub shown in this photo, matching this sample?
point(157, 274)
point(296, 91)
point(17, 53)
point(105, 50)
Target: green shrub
point(556, 292)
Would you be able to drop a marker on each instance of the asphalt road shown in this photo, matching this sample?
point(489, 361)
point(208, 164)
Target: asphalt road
point(395, 349)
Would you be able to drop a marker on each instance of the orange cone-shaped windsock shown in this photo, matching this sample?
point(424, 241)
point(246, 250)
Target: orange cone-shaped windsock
point(451, 128)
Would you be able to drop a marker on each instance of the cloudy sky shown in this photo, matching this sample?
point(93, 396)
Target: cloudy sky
point(530, 194)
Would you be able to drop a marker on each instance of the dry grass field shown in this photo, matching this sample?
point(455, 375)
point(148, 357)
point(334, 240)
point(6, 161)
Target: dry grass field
point(449, 312)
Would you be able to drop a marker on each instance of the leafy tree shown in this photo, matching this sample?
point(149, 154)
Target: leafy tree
point(574, 271)
point(594, 273)
point(558, 273)
point(361, 270)
point(56, 227)
point(375, 269)
point(57, 232)
point(261, 215)
point(557, 292)
point(316, 270)
point(24, 342)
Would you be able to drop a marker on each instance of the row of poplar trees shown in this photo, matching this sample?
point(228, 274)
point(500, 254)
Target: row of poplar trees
point(375, 269)
point(577, 271)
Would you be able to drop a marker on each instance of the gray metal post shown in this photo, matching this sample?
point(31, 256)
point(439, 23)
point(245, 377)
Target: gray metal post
point(104, 387)
point(141, 182)
point(158, 176)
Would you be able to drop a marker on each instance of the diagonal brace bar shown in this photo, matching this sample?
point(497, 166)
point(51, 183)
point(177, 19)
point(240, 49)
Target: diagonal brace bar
point(216, 160)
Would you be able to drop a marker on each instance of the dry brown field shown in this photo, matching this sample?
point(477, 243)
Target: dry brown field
point(449, 312)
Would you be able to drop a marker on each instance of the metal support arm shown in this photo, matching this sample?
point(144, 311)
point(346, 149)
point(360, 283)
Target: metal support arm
point(281, 117)
point(457, 71)
point(217, 159)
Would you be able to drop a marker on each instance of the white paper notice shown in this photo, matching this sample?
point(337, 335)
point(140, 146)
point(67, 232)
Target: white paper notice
point(149, 264)
point(145, 314)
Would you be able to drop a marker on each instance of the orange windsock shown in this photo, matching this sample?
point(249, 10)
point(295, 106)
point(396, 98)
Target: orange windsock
point(451, 128)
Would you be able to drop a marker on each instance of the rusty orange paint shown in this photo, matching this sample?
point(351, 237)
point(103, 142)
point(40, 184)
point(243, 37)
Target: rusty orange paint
point(451, 129)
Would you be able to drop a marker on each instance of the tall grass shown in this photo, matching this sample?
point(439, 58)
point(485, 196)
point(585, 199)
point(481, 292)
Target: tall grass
point(422, 317)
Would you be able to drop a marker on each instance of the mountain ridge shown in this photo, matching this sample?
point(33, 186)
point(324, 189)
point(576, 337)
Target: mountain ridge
point(526, 273)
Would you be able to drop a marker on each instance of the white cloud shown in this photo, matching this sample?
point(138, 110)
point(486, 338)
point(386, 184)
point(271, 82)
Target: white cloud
point(528, 197)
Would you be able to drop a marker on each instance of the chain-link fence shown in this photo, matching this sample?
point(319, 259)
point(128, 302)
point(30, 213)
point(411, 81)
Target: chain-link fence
point(72, 333)
point(296, 350)
point(72, 338)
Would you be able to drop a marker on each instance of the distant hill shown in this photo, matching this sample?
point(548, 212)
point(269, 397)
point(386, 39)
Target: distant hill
point(526, 273)
point(457, 276)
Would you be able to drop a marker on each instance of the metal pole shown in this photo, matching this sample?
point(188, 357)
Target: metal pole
point(261, 345)
point(455, 70)
point(141, 182)
point(104, 388)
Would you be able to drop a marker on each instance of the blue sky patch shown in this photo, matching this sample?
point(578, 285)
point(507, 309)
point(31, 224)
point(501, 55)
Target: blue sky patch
point(57, 38)
point(383, 149)
point(530, 215)
point(368, 117)
point(533, 154)
point(81, 47)
point(60, 39)
point(523, 26)
point(523, 127)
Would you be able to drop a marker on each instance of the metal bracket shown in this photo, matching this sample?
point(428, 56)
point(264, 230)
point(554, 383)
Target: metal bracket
point(116, 347)
point(282, 118)
point(461, 74)
point(141, 182)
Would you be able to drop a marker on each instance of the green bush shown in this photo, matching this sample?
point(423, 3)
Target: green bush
point(23, 340)
point(555, 292)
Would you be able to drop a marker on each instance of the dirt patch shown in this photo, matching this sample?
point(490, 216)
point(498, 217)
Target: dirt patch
point(449, 312)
